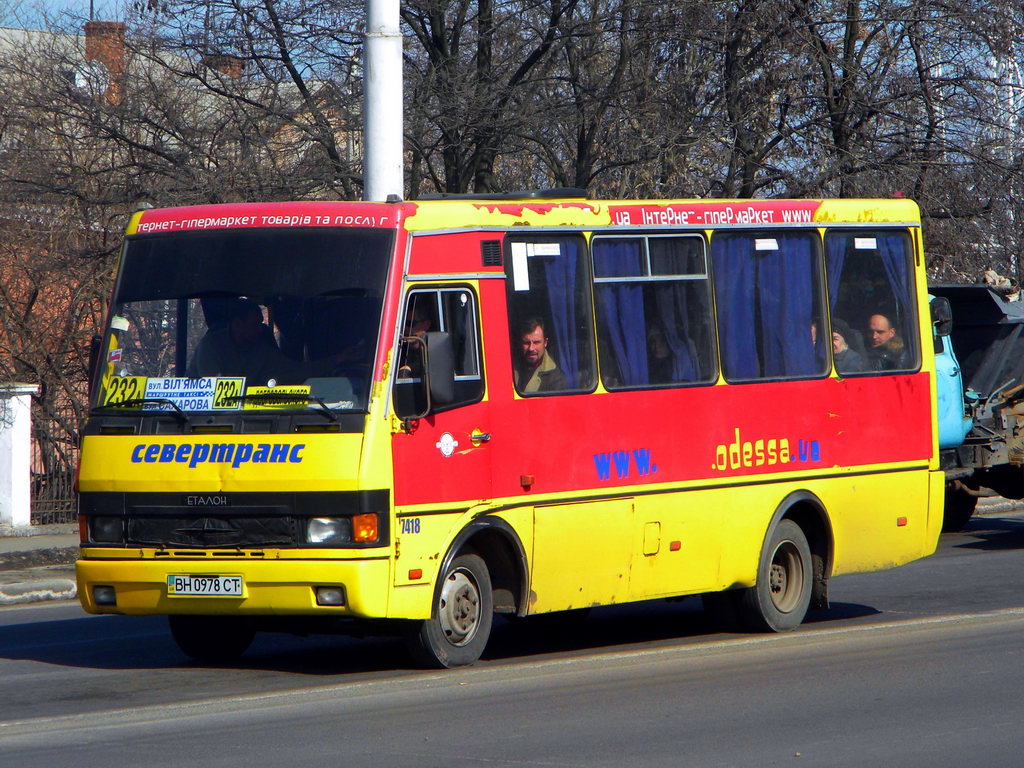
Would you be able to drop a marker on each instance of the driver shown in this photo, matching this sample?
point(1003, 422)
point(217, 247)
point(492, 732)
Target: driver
point(245, 347)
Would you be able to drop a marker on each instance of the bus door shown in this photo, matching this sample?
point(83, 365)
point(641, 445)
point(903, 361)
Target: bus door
point(548, 424)
point(440, 459)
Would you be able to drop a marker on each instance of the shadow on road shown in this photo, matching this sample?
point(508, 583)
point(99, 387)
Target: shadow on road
point(840, 611)
point(652, 623)
point(992, 533)
point(144, 643)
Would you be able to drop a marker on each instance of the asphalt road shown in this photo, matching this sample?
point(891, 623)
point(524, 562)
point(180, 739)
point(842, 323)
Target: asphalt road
point(922, 665)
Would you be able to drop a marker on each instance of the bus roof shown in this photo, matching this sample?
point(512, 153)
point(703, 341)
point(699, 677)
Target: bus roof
point(497, 212)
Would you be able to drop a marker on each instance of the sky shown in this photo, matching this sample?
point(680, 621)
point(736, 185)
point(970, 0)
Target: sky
point(29, 13)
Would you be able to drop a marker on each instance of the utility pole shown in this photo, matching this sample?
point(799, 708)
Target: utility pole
point(382, 102)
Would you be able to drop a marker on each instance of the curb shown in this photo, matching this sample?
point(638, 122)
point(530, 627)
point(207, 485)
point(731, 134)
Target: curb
point(997, 505)
point(22, 531)
point(37, 591)
point(31, 558)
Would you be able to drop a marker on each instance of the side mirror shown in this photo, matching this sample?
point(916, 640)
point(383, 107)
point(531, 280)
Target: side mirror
point(428, 379)
point(942, 316)
point(440, 365)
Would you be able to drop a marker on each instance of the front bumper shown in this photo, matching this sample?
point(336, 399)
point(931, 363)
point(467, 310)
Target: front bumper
point(271, 587)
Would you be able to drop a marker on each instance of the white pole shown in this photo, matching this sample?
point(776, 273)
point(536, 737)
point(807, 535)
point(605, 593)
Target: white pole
point(16, 454)
point(382, 102)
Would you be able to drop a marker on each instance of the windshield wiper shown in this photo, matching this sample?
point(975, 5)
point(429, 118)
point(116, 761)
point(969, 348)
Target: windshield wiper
point(142, 400)
point(272, 397)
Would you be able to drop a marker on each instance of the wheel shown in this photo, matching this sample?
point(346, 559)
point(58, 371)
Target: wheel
point(457, 632)
point(957, 510)
point(212, 639)
point(780, 598)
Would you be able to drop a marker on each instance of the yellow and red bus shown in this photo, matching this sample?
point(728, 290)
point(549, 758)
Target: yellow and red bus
point(312, 415)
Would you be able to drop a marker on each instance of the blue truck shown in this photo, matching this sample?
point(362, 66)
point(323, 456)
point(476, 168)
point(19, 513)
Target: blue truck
point(979, 352)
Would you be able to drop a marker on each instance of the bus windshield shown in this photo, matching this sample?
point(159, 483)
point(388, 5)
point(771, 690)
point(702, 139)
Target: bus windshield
point(264, 319)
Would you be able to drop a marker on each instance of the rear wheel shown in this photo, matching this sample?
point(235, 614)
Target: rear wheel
point(780, 598)
point(212, 639)
point(457, 632)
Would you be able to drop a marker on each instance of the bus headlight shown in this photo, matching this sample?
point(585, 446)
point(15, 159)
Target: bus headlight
point(329, 530)
point(107, 530)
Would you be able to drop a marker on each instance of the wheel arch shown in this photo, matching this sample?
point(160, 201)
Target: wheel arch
point(807, 510)
point(497, 543)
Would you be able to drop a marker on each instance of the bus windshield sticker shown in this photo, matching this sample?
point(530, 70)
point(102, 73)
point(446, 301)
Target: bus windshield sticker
point(121, 388)
point(865, 244)
point(545, 249)
point(274, 399)
point(766, 244)
point(520, 274)
point(119, 323)
point(187, 394)
point(226, 392)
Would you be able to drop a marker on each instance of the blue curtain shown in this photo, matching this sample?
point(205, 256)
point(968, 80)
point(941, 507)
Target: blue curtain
point(766, 304)
point(621, 307)
point(892, 248)
point(735, 283)
point(835, 258)
point(673, 311)
point(560, 276)
point(786, 291)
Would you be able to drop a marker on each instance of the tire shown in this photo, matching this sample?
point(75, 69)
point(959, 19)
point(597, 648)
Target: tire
point(212, 639)
point(457, 632)
point(778, 602)
point(957, 510)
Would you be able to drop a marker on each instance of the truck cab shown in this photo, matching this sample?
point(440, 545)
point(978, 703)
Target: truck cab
point(980, 395)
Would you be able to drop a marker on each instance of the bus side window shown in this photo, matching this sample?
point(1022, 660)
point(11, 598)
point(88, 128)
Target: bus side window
point(448, 310)
point(870, 287)
point(549, 315)
point(769, 304)
point(653, 311)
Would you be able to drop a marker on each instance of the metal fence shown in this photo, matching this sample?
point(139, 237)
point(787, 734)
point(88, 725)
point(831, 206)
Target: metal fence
point(54, 461)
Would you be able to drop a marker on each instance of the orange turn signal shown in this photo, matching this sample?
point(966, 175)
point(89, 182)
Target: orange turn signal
point(900, 522)
point(364, 528)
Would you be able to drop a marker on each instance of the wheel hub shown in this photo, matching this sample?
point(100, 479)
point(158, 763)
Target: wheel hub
point(459, 608)
point(786, 577)
point(778, 579)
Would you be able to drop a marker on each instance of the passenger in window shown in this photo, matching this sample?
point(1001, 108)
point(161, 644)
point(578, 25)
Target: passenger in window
point(817, 344)
point(887, 352)
point(536, 370)
point(659, 356)
point(848, 360)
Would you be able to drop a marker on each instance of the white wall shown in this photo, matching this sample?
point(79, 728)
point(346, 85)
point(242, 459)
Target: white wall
point(15, 453)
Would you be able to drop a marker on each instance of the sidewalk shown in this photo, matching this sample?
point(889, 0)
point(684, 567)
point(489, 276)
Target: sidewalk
point(38, 563)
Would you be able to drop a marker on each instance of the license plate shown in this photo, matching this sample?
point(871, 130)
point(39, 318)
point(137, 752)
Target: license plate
point(203, 585)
